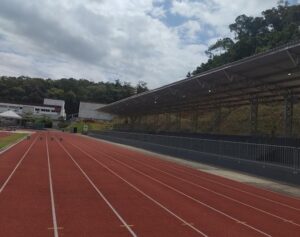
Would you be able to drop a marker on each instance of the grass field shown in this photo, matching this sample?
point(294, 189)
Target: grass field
point(6, 141)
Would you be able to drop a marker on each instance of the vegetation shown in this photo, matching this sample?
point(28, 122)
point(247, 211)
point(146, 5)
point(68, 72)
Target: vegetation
point(14, 137)
point(276, 27)
point(33, 90)
point(92, 125)
point(234, 121)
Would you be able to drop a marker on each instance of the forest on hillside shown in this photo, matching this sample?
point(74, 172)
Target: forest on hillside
point(275, 27)
point(28, 90)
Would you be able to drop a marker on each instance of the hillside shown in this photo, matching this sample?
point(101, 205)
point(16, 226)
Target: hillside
point(33, 90)
point(275, 27)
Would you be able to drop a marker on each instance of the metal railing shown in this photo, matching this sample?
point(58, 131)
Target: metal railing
point(267, 155)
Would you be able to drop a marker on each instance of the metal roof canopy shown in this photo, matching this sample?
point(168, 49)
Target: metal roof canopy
point(268, 77)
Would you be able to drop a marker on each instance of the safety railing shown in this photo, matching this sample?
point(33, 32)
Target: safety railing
point(285, 156)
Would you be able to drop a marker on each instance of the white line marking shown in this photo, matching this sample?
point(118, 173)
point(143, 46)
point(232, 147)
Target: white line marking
point(180, 168)
point(209, 190)
point(18, 164)
point(240, 190)
point(144, 194)
point(100, 193)
point(5, 149)
point(54, 219)
point(189, 197)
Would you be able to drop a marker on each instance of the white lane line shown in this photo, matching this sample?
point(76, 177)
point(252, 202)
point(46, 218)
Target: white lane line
point(144, 194)
point(54, 219)
point(5, 149)
point(240, 190)
point(209, 190)
point(190, 197)
point(174, 165)
point(18, 164)
point(100, 193)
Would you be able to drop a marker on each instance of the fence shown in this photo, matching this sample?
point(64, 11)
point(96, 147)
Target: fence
point(280, 141)
point(264, 154)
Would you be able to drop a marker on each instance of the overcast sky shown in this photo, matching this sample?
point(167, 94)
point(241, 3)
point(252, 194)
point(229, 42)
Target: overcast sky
point(157, 41)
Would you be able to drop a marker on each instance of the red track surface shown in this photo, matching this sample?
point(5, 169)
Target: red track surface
point(4, 134)
point(84, 187)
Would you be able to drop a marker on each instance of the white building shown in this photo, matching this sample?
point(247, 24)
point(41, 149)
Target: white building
point(51, 108)
point(59, 105)
point(90, 111)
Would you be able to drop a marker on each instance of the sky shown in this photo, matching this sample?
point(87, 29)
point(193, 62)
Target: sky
point(156, 41)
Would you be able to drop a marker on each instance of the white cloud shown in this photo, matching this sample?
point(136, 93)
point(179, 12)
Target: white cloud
point(107, 39)
point(158, 12)
point(92, 39)
point(189, 30)
point(218, 14)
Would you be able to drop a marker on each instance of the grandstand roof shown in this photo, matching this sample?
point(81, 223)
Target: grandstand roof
point(268, 77)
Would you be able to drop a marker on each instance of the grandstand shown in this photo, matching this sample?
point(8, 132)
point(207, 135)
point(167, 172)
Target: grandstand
point(269, 77)
point(264, 78)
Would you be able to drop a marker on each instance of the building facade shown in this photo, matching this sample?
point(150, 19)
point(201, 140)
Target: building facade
point(53, 109)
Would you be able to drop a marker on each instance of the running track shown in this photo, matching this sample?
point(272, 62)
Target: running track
point(4, 134)
point(59, 184)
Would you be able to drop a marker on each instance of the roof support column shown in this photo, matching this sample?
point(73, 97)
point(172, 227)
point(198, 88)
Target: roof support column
point(195, 115)
point(139, 122)
point(253, 115)
point(133, 122)
point(119, 121)
point(178, 121)
point(168, 121)
point(155, 121)
point(288, 114)
point(126, 123)
point(217, 119)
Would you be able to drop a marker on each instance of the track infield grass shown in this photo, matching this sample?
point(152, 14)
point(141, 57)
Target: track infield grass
point(8, 140)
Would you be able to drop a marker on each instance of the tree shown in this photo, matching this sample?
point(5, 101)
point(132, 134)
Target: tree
point(276, 27)
point(71, 102)
point(141, 87)
point(26, 90)
point(55, 93)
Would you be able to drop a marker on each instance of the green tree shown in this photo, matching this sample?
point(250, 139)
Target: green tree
point(141, 87)
point(28, 90)
point(276, 27)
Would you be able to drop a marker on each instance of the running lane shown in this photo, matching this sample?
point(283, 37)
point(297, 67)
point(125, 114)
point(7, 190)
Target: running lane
point(10, 158)
point(260, 194)
point(80, 210)
point(25, 199)
point(5, 134)
point(146, 216)
point(279, 211)
point(200, 216)
point(269, 222)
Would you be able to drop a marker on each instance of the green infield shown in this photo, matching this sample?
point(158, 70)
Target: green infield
point(14, 137)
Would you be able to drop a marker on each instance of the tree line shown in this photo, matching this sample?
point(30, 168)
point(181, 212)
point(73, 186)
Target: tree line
point(28, 90)
point(275, 27)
